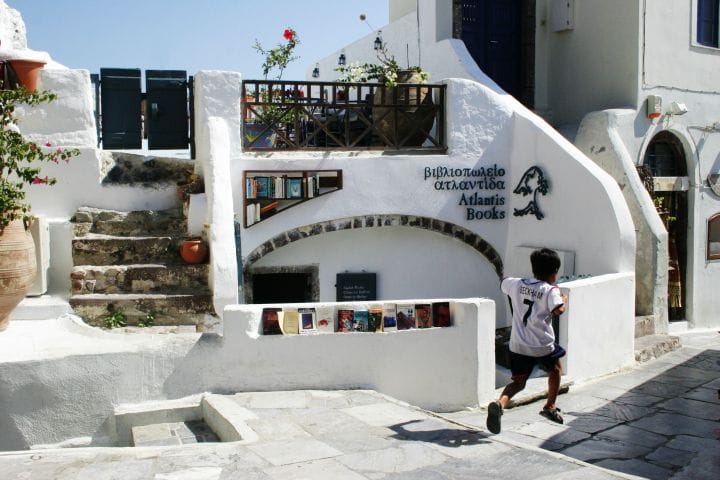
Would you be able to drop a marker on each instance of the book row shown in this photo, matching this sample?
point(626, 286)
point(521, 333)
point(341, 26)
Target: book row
point(376, 318)
point(282, 187)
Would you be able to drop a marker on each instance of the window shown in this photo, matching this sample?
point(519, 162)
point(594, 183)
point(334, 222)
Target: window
point(708, 17)
point(713, 245)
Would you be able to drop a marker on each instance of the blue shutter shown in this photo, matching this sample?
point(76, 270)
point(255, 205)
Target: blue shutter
point(707, 26)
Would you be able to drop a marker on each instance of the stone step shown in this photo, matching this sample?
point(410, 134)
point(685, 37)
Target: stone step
point(140, 279)
point(96, 249)
point(644, 325)
point(653, 346)
point(164, 309)
point(140, 223)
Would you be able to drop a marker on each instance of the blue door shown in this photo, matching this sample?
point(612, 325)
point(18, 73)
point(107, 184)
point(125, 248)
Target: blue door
point(491, 30)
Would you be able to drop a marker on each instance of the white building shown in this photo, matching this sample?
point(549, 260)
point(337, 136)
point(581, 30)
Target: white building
point(633, 84)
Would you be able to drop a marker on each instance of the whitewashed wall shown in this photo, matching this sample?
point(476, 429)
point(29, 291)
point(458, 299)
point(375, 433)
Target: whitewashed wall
point(594, 66)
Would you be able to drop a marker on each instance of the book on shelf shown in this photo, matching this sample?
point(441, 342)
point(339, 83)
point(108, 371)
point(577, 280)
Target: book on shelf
point(345, 320)
point(271, 321)
point(360, 319)
point(405, 314)
point(325, 319)
point(423, 315)
point(375, 319)
point(389, 317)
point(295, 187)
point(269, 208)
point(262, 187)
point(441, 314)
point(290, 323)
point(307, 320)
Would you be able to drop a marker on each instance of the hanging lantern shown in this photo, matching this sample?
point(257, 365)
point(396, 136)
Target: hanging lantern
point(316, 71)
point(342, 59)
point(378, 44)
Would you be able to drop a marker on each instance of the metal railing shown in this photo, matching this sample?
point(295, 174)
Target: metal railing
point(288, 115)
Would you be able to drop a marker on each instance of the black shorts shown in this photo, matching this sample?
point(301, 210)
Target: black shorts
point(523, 365)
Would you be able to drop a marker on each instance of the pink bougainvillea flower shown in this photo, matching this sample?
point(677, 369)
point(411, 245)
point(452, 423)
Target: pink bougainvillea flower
point(289, 34)
point(59, 151)
point(48, 144)
point(37, 180)
point(32, 147)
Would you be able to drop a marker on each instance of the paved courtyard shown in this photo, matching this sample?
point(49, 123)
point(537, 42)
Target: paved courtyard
point(658, 420)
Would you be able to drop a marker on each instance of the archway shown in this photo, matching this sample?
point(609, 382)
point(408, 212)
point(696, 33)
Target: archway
point(367, 222)
point(665, 161)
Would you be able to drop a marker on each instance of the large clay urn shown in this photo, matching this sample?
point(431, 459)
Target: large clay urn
point(17, 267)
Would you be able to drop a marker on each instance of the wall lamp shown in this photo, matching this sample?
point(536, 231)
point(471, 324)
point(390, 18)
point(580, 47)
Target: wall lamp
point(316, 71)
point(342, 59)
point(378, 44)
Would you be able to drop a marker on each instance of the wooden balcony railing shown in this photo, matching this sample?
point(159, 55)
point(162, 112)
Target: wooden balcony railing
point(285, 115)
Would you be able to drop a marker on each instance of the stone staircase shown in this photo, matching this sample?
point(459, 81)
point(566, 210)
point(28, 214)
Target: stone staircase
point(648, 344)
point(130, 262)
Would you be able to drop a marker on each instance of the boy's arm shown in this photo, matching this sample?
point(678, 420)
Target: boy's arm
point(559, 300)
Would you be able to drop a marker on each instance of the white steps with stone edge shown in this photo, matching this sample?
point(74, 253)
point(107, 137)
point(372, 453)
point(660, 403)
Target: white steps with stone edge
point(648, 344)
point(130, 262)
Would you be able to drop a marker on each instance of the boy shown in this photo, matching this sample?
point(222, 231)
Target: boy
point(533, 302)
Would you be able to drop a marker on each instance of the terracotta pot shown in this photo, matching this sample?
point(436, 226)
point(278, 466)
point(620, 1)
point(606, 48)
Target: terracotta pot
point(193, 251)
point(27, 72)
point(17, 268)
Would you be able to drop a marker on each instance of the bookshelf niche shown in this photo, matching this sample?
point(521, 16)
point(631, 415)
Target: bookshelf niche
point(269, 192)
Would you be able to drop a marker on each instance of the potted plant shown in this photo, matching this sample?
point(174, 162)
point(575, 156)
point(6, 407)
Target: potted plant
point(415, 103)
point(262, 132)
point(18, 170)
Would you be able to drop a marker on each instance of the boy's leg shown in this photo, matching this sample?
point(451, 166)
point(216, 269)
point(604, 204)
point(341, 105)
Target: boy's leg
point(554, 374)
point(521, 367)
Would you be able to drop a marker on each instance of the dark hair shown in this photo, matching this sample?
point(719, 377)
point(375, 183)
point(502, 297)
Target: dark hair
point(544, 262)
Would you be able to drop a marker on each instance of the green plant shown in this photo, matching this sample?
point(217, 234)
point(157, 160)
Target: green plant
point(18, 157)
point(281, 56)
point(385, 71)
point(115, 317)
point(276, 59)
point(149, 319)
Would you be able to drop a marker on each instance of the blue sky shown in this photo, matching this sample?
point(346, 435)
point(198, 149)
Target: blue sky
point(192, 35)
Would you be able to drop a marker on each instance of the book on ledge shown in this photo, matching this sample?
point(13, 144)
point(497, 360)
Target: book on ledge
point(389, 320)
point(375, 319)
point(307, 320)
point(271, 321)
point(345, 320)
point(325, 319)
point(360, 319)
point(423, 314)
point(405, 316)
point(290, 323)
point(441, 314)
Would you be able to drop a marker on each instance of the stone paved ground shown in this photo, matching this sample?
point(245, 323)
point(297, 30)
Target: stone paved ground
point(314, 435)
point(660, 420)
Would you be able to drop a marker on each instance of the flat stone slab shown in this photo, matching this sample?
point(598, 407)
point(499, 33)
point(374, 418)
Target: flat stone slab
point(633, 436)
point(599, 449)
point(636, 467)
point(285, 452)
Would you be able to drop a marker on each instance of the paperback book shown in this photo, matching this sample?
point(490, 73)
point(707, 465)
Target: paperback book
point(360, 320)
point(423, 314)
point(271, 321)
point(325, 319)
point(375, 319)
point(345, 320)
point(291, 322)
point(307, 320)
point(405, 316)
point(441, 314)
point(389, 318)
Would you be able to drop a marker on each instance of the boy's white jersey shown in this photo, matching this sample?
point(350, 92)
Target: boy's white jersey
point(532, 303)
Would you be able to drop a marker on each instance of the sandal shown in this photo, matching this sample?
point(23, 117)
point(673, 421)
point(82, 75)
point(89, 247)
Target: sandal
point(552, 414)
point(495, 411)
